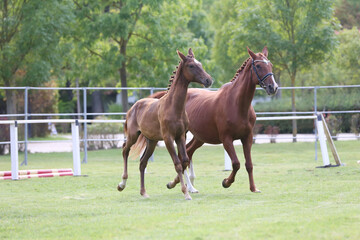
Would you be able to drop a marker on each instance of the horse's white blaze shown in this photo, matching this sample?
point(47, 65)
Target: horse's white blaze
point(274, 82)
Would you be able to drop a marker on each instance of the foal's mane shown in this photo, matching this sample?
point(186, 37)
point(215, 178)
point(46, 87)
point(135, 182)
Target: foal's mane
point(172, 77)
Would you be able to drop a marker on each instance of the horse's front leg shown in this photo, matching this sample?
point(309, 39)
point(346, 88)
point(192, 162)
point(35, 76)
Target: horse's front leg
point(229, 147)
point(185, 162)
point(169, 142)
point(247, 144)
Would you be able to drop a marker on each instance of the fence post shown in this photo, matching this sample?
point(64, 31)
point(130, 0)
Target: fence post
point(85, 127)
point(14, 151)
point(76, 148)
point(322, 139)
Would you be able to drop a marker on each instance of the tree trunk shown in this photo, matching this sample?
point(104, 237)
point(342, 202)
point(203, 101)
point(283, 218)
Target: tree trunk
point(96, 102)
point(122, 72)
point(11, 102)
point(293, 106)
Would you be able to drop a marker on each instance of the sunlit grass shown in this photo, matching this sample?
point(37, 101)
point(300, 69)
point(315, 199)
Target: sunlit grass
point(298, 200)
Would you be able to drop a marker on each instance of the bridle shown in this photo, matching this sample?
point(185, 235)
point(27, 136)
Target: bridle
point(261, 80)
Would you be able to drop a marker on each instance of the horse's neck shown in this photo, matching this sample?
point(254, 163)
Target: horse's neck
point(177, 94)
point(243, 90)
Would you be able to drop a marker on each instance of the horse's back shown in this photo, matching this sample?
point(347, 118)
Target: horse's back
point(143, 116)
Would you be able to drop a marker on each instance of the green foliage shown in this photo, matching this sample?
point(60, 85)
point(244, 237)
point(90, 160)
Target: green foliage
point(347, 11)
point(31, 31)
point(115, 108)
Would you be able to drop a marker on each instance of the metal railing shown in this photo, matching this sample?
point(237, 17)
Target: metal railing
point(86, 115)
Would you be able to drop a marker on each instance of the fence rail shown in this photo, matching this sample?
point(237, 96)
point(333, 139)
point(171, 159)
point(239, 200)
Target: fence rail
point(83, 116)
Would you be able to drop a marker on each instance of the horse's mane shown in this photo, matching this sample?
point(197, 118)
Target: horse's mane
point(240, 69)
point(243, 66)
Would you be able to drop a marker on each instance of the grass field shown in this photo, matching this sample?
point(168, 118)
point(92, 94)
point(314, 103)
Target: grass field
point(298, 201)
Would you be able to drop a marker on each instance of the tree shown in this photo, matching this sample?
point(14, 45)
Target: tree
point(298, 33)
point(133, 39)
point(30, 34)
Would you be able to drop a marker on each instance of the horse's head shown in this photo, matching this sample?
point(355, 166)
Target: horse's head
point(262, 68)
point(193, 71)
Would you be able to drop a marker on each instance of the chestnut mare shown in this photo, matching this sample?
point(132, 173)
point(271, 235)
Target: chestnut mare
point(163, 119)
point(226, 115)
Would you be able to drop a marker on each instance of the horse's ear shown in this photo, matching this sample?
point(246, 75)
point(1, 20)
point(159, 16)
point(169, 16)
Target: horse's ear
point(252, 55)
point(182, 56)
point(265, 51)
point(191, 53)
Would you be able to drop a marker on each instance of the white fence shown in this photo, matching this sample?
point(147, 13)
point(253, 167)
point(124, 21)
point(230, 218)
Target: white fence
point(75, 140)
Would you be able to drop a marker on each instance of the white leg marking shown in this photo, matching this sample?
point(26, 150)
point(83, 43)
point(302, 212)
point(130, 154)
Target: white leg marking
point(123, 183)
point(190, 187)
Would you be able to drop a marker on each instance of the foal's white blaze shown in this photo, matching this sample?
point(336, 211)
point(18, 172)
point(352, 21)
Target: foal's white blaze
point(197, 62)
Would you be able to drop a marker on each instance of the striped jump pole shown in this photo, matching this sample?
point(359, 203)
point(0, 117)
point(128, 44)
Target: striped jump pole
point(23, 174)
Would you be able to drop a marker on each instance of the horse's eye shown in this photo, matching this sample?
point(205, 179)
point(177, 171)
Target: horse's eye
point(191, 66)
point(258, 66)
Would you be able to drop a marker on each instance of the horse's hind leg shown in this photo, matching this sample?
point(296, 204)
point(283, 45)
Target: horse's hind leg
point(247, 143)
point(229, 147)
point(191, 147)
point(185, 162)
point(150, 147)
point(131, 140)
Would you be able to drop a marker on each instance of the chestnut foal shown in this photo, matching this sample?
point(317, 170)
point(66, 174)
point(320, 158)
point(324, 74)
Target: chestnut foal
point(163, 119)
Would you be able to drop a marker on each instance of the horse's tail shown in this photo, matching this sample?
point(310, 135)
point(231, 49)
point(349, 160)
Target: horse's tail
point(138, 147)
point(157, 95)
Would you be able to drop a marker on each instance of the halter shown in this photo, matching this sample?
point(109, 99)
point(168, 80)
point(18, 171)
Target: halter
point(261, 80)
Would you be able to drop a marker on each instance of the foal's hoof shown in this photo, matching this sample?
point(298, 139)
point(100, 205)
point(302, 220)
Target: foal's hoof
point(119, 188)
point(256, 191)
point(188, 197)
point(224, 184)
point(169, 186)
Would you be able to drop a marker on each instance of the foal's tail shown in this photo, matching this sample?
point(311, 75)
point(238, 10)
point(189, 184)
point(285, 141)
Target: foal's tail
point(138, 147)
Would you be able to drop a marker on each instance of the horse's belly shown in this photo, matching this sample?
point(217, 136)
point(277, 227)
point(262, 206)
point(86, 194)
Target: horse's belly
point(205, 133)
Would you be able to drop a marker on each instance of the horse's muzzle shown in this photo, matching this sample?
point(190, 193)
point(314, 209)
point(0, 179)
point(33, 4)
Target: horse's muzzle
point(207, 82)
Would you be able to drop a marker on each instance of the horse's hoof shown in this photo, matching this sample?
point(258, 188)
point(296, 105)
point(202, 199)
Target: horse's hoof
point(145, 195)
point(193, 190)
point(188, 197)
point(119, 188)
point(169, 186)
point(256, 191)
point(224, 184)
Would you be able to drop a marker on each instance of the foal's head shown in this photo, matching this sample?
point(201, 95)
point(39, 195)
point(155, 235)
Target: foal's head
point(262, 69)
point(193, 71)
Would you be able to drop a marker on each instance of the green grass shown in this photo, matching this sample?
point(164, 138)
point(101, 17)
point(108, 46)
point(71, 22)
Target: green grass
point(298, 201)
